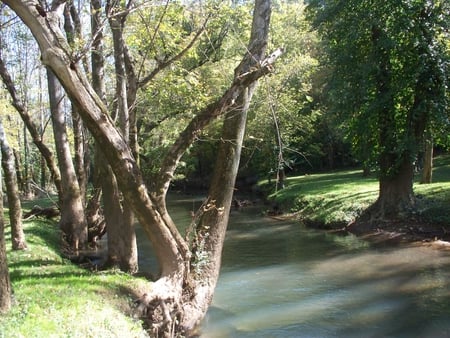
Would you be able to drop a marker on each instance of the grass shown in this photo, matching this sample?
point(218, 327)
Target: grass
point(55, 298)
point(340, 197)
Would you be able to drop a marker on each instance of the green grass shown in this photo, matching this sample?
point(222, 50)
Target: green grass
point(338, 198)
point(55, 298)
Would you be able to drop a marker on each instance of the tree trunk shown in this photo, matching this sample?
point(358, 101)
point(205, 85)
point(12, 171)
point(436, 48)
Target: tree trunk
point(122, 248)
point(12, 191)
point(73, 220)
point(81, 148)
point(396, 169)
point(210, 232)
point(31, 127)
point(5, 284)
point(396, 192)
point(427, 171)
point(171, 249)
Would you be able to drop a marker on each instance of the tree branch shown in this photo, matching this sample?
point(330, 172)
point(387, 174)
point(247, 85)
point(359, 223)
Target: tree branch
point(164, 64)
point(211, 112)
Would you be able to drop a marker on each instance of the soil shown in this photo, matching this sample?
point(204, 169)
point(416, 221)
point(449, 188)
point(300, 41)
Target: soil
point(401, 231)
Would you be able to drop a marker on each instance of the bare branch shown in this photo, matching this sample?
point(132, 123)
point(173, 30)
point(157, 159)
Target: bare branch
point(165, 64)
point(56, 4)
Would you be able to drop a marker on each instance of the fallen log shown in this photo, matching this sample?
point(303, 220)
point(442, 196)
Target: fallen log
point(37, 211)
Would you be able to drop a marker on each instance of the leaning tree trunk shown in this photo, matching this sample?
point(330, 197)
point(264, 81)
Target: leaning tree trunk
point(12, 191)
point(210, 232)
point(73, 220)
point(171, 249)
point(5, 283)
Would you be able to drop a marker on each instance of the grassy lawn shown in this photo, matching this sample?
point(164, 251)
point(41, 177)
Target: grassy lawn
point(339, 197)
point(55, 298)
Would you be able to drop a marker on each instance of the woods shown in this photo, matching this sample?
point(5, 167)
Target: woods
point(143, 98)
point(171, 249)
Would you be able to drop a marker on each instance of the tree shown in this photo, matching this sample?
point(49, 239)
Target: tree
point(388, 80)
point(170, 294)
point(12, 191)
point(18, 104)
point(5, 284)
point(73, 219)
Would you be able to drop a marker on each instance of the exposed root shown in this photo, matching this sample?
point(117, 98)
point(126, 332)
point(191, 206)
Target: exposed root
point(162, 316)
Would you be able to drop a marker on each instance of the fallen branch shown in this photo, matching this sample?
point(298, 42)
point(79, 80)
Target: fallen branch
point(38, 211)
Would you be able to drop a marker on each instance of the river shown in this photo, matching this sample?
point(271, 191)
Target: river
point(280, 279)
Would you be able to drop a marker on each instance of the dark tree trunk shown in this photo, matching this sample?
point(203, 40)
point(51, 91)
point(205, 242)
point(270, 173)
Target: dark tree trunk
point(5, 284)
point(73, 221)
point(396, 169)
point(396, 192)
point(12, 191)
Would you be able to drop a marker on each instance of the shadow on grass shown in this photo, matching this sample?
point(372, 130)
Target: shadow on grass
point(43, 232)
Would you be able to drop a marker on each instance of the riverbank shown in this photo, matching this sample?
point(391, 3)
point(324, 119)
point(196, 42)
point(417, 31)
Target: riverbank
point(335, 200)
point(55, 298)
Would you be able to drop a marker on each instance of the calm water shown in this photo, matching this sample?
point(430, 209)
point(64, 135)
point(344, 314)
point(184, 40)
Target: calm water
point(279, 279)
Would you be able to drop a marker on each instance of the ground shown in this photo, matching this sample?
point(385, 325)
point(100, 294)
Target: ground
point(401, 231)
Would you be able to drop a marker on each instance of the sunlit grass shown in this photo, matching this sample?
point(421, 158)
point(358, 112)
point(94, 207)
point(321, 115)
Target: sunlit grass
point(340, 197)
point(55, 298)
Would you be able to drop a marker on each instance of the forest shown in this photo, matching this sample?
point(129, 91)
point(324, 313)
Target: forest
point(109, 107)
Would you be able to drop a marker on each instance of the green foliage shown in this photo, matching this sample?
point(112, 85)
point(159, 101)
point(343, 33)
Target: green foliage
point(55, 298)
point(168, 102)
point(283, 109)
point(385, 57)
point(11, 123)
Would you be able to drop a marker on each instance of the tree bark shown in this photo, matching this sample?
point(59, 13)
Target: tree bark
point(31, 127)
point(73, 220)
point(210, 232)
point(12, 191)
point(5, 283)
point(171, 249)
point(427, 170)
point(81, 150)
point(122, 247)
point(396, 169)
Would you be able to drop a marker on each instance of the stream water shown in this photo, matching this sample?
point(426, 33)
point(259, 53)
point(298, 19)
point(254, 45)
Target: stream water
point(279, 279)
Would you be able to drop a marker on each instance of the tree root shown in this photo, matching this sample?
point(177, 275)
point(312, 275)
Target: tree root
point(162, 316)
